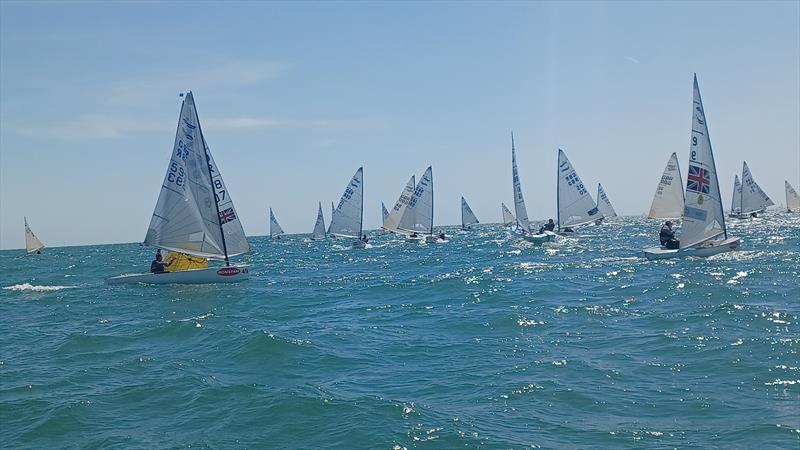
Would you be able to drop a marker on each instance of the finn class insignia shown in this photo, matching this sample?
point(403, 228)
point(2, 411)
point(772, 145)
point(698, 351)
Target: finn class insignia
point(699, 199)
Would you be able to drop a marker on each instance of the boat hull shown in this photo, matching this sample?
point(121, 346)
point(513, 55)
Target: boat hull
point(359, 244)
point(547, 236)
point(231, 274)
point(702, 250)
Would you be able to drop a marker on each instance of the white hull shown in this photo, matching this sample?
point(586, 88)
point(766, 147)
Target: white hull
point(359, 244)
point(703, 250)
point(746, 215)
point(547, 236)
point(231, 274)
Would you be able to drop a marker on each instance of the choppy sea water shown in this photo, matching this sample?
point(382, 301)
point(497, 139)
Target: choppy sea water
point(482, 342)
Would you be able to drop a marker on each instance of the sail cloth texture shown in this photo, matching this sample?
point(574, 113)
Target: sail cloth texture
point(467, 216)
point(575, 204)
point(32, 243)
point(393, 220)
point(186, 217)
point(181, 261)
point(736, 199)
point(668, 199)
point(319, 226)
point(508, 217)
point(348, 216)
point(274, 227)
point(792, 199)
point(753, 197)
point(703, 218)
point(418, 216)
point(519, 201)
point(604, 204)
point(384, 213)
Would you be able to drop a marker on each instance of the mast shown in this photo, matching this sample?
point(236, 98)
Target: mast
point(558, 203)
point(361, 217)
point(210, 179)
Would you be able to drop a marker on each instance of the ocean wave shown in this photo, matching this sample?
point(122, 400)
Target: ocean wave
point(36, 288)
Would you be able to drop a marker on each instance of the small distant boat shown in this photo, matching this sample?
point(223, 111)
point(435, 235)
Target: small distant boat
point(668, 199)
point(508, 217)
point(391, 222)
point(736, 198)
point(417, 219)
point(32, 243)
point(575, 205)
point(319, 226)
point(604, 204)
point(275, 230)
point(523, 225)
point(752, 200)
point(468, 218)
point(384, 213)
point(194, 214)
point(703, 232)
point(792, 199)
point(347, 219)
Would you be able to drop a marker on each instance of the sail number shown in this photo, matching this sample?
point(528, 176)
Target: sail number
point(175, 174)
point(694, 152)
point(220, 188)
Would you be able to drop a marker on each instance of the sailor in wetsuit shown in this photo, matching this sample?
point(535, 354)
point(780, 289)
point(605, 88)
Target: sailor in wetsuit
point(667, 237)
point(159, 266)
point(549, 226)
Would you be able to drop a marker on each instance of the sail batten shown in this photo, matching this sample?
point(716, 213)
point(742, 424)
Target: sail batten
point(468, 217)
point(32, 243)
point(575, 205)
point(604, 204)
point(348, 215)
point(668, 199)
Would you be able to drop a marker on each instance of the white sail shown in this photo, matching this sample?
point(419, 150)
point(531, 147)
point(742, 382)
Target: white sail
point(274, 227)
point(384, 213)
point(418, 216)
point(348, 216)
point(32, 243)
point(736, 199)
point(668, 200)
point(393, 220)
point(575, 204)
point(792, 199)
point(194, 213)
point(753, 197)
point(467, 216)
point(319, 226)
point(519, 201)
point(604, 204)
point(703, 218)
point(508, 217)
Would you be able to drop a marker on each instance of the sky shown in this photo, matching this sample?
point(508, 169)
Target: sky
point(294, 97)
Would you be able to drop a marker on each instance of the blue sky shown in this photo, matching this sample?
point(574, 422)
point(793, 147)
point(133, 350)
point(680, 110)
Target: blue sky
point(294, 97)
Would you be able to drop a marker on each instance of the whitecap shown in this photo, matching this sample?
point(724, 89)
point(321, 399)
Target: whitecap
point(36, 288)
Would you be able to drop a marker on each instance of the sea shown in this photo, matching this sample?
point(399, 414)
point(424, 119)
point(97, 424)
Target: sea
point(482, 342)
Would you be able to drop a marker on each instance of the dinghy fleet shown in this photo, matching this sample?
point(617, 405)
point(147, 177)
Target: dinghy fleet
point(195, 220)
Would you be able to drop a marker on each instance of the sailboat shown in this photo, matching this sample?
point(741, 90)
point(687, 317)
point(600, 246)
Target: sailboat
point(391, 222)
point(32, 243)
point(508, 218)
point(467, 216)
point(753, 199)
point(384, 213)
point(347, 219)
point(417, 219)
point(703, 232)
point(736, 198)
point(575, 205)
point(319, 226)
point(275, 230)
point(523, 224)
point(604, 204)
point(668, 199)
point(194, 214)
point(792, 199)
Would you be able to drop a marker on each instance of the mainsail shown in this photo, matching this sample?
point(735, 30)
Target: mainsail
point(668, 200)
point(384, 213)
point(393, 219)
point(194, 213)
point(418, 216)
point(736, 199)
point(467, 216)
point(792, 199)
point(575, 204)
point(508, 218)
point(32, 243)
point(519, 201)
point(347, 218)
point(604, 204)
point(319, 226)
point(274, 227)
point(703, 218)
point(753, 197)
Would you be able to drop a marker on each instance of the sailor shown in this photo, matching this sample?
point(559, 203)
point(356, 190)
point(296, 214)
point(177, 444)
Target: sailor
point(441, 235)
point(549, 226)
point(541, 230)
point(667, 236)
point(364, 238)
point(159, 266)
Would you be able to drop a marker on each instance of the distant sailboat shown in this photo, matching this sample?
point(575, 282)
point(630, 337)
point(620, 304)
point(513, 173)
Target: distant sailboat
point(792, 199)
point(736, 198)
point(575, 205)
point(393, 219)
point(523, 224)
point(194, 214)
point(319, 226)
point(417, 218)
point(275, 230)
point(508, 218)
point(384, 213)
point(467, 216)
point(32, 243)
point(753, 199)
point(703, 232)
point(668, 199)
point(347, 220)
point(604, 204)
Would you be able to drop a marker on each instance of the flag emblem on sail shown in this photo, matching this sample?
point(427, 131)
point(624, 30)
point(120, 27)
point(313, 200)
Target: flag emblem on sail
point(227, 215)
point(699, 180)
